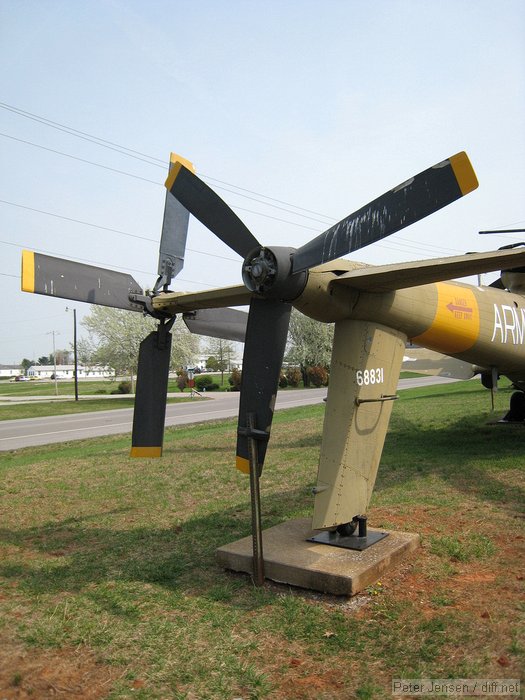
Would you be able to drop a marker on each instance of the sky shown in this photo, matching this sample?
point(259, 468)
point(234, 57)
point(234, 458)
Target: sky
point(298, 112)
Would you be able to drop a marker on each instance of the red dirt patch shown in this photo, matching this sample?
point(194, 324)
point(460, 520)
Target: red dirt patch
point(57, 673)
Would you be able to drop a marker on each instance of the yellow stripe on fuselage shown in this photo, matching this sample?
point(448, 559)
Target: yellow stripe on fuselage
point(455, 327)
point(28, 271)
point(464, 172)
point(146, 452)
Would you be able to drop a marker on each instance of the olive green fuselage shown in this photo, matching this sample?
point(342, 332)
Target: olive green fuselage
point(481, 325)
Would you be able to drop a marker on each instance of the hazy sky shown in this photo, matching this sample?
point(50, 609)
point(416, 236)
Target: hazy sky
point(322, 105)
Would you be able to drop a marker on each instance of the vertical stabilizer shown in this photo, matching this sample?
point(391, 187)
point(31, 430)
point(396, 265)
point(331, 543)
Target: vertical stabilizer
point(366, 361)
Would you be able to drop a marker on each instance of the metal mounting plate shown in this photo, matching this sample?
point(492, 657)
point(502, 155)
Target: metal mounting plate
point(350, 542)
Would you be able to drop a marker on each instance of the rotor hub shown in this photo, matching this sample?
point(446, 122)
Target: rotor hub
point(259, 271)
point(268, 272)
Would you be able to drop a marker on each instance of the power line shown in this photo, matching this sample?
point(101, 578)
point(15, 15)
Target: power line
point(402, 241)
point(81, 134)
point(82, 160)
point(132, 153)
point(144, 179)
point(107, 228)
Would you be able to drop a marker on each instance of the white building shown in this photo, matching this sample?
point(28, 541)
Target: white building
point(235, 360)
point(10, 370)
point(68, 372)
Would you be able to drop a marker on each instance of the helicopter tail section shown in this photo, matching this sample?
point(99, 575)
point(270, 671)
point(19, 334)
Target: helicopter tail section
point(366, 362)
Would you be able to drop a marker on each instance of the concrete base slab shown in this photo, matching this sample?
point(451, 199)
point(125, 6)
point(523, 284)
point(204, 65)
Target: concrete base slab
point(290, 559)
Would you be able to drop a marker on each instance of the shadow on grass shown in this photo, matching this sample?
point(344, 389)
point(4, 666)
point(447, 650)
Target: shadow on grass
point(69, 555)
point(468, 453)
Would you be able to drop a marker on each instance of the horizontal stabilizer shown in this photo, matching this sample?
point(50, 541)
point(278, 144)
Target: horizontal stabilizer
point(228, 324)
point(385, 278)
point(56, 277)
point(181, 302)
point(435, 364)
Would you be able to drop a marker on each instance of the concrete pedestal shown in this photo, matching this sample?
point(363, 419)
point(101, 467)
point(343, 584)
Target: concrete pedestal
point(290, 559)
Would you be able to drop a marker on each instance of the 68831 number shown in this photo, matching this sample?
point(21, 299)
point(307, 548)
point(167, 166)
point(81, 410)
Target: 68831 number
point(364, 377)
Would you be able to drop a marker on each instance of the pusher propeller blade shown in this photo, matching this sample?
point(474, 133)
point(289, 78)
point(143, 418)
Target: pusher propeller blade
point(174, 233)
point(266, 333)
point(57, 277)
point(206, 206)
point(407, 203)
point(151, 393)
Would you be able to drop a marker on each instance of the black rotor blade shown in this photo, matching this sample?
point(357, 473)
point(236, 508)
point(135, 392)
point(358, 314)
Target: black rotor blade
point(228, 324)
point(266, 334)
point(57, 277)
point(174, 234)
point(206, 206)
point(151, 393)
point(407, 203)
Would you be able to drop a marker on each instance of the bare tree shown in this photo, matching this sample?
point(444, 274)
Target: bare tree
point(222, 351)
point(115, 337)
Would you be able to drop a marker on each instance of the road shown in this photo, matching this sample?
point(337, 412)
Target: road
point(29, 432)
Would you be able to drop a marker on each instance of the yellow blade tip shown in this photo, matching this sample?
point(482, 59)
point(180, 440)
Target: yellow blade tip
point(146, 452)
point(28, 271)
point(242, 464)
point(175, 158)
point(176, 163)
point(464, 172)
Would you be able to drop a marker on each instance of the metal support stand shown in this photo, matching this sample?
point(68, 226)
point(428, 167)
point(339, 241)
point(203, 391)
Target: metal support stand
point(258, 560)
point(358, 541)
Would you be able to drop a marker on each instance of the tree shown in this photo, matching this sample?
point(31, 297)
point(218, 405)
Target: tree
point(86, 350)
point(26, 364)
point(63, 357)
point(116, 334)
point(212, 364)
point(222, 352)
point(309, 343)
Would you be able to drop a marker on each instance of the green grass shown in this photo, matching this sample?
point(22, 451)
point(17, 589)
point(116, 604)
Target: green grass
point(38, 409)
point(43, 387)
point(110, 563)
point(85, 387)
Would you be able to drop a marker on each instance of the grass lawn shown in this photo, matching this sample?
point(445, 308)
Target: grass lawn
point(109, 586)
point(85, 388)
point(37, 409)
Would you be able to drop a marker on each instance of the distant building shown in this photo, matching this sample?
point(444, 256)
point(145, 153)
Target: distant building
point(10, 370)
point(68, 372)
point(235, 361)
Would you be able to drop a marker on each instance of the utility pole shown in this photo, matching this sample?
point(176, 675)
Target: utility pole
point(75, 349)
point(53, 333)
